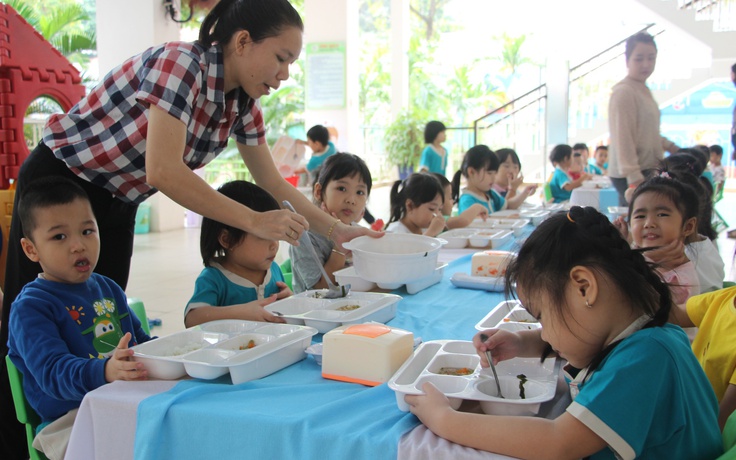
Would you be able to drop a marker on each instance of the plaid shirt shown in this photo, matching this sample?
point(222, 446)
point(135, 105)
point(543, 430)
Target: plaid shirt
point(103, 138)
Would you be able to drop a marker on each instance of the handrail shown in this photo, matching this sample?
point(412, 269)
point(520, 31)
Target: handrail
point(649, 26)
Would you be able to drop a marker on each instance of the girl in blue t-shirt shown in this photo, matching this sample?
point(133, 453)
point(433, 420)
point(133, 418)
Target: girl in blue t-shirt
point(416, 206)
point(240, 276)
point(479, 168)
point(434, 155)
point(637, 389)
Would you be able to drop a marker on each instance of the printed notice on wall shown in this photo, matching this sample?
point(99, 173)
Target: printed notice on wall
point(325, 75)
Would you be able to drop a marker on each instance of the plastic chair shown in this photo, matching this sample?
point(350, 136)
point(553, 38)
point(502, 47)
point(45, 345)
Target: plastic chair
point(548, 193)
point(24, 412)
point(136, 306)
point(727, 284)
point(729, 439)
point(286, 271)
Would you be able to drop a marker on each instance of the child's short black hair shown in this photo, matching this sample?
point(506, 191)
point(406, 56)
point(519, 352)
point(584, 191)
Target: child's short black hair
point(602, 147)
point(559, 153)
point(716, 149)
point(342, 165)
point(245, 193)
point(45, 193)
point(580, 146)
point(319, 133)
point(419, 188)
point(504, 154)
point(432, 130)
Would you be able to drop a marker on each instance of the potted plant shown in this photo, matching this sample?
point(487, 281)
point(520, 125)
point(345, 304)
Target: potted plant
point(403, 142)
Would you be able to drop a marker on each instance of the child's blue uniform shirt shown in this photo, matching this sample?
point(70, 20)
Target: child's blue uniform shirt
point(559, 179)
point(316, 161)
point(492, 201)
point(433, 161)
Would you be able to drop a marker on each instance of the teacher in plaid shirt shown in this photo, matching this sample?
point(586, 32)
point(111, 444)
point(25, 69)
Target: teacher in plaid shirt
point(149, 124)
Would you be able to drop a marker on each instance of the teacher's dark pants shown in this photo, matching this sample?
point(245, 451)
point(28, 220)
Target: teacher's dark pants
point(621, 185)
point(115, 221)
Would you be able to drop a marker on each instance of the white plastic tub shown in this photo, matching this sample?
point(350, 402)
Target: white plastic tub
point(357, 284)
point(395, 257)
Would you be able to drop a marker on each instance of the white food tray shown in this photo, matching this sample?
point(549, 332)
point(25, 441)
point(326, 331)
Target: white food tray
point(213, 349)
point(506, 214)
point(347, 275)
point(515, 225)
point(486, 283)
point(477, 238)
point(427, 361)
point(537, 216)
point(324, 314)
point(508, 315)
point(415, 286)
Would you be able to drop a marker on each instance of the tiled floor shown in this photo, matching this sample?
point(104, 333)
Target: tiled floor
point(165, 265)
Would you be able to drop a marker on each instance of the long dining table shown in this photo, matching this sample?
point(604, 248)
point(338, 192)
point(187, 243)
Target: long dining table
point(293, 413)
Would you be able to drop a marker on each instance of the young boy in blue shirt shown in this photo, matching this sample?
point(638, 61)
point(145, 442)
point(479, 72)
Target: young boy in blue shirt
point(562, 184)
point(318, 139)
point(70, 328)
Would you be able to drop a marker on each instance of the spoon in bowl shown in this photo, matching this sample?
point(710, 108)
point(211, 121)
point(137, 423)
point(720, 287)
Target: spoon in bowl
point(333, 292)
point(489, 357)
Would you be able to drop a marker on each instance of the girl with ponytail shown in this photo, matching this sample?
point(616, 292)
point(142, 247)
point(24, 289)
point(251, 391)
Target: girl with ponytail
point(637, 389)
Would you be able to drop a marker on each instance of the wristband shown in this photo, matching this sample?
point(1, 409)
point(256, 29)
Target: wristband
point(338, 252)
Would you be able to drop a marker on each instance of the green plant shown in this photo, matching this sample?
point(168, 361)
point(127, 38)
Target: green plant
point(404, 140)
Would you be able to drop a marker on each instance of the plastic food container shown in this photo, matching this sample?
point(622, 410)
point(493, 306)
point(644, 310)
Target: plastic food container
point(616, 211)
point(515, 225)
point(415, 286)
point(327, 314)
point(537, 217)
point(454, 368)
point(248, 350)
point(395, 257)
point(348, 276)
point(457, 238)
point(492, 238)
point(486, 283)
point(508, 315)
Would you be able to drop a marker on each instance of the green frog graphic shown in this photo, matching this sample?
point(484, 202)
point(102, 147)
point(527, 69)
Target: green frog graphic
point(106, 326)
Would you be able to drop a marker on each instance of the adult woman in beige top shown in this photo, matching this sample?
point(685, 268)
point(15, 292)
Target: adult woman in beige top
point(636, 146)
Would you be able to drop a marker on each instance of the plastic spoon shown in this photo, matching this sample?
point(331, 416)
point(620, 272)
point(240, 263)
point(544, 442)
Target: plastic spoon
point(483, 338)
point(333, 292)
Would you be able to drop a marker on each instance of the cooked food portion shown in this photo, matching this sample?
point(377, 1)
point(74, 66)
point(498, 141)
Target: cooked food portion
point(348, 308)
point(522, 381)
point(456, 371)
point(249, 345)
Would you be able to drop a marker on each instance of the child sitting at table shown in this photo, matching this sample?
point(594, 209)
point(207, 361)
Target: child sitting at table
point(719, 174)
point(240, 276)
point(341, 190)
point(509, 178)
point(416, 206)
point(663, 215)
point(318, 139)
point(70, 328)
point(479, 167)
point(599, 162)
point(561, 183)
point(637, 388)
point(476, 211)
point(714, 346)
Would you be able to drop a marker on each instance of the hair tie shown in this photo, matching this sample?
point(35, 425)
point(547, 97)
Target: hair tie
point(569, 217)
point(665, 174)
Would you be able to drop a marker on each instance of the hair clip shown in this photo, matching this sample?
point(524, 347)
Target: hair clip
point(665, 174)
point(570, 218)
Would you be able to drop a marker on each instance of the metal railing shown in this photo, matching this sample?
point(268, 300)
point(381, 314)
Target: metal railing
point(721, 12)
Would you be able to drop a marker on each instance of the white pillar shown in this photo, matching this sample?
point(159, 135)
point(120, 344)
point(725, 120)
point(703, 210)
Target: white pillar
point(330, 21)
point(400, 29)
point(557, 71)
point(126, 28)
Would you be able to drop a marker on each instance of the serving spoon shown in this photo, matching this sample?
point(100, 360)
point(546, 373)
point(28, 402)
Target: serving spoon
point(333, 292)
point(489, 357)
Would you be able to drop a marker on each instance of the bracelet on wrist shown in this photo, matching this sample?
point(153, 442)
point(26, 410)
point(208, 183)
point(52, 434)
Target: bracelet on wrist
point(332, 227)
point(338, 252)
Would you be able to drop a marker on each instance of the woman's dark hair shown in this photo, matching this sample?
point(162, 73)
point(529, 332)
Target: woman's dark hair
point(44, 193)
point(504, 154)
point(262, 19)
point(682, 195)
point(478, 157)
point(559, 153)
point(245, 193)
point(319, 133)
point(641, 37)
point(341, 165)
point(419, 188)
point(432, 130)
point(585, 237)
point(687, 168)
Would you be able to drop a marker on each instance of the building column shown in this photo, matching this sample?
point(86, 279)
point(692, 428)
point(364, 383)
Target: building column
point(126, 28)
point(556, 114)
point(400, 31)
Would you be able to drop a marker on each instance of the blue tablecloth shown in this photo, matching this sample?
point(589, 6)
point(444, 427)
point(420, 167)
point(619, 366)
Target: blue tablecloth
point(295, 413)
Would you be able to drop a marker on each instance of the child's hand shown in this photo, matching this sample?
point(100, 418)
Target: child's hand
point(120, 366)
point(431, 408)
point(477, 210)
point(623, 227)
point(529, 191)
point(503, 345)
point(254, 310)
point(515, 183)
point(284, 290)
point(436, 226)
point(669, 256)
